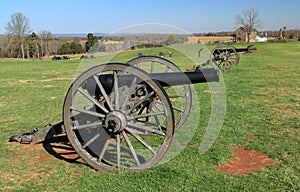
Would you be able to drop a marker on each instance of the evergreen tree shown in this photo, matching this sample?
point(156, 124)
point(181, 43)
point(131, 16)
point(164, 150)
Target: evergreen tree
point(90, 42)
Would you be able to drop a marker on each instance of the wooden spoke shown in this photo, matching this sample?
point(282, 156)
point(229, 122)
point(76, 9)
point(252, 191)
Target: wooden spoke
point(152, 66)
point(141, 140)
point(132, 86)
point(177, 109)
point(131, 148)
point(91, 140)
point(103, 150)
point(145, 128)
point(145, 115)
point(92, 100)
point(103, 92)
point(87, 112)
point(116, 91)
point(87, 125)
point(118, 151)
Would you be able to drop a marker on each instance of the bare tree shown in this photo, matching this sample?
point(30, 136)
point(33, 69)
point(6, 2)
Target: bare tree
point(10, 46)
point(249, 20)
point(18, 27)
point(45, 36)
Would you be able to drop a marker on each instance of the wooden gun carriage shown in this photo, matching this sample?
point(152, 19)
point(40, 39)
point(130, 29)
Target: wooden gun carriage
point(124, 115)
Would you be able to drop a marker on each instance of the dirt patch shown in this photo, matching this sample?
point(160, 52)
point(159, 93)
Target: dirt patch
point(42, 158)
point(28, 164)
point(35, 152)
point(38, 155)
point(27, 148)
point(246, 161)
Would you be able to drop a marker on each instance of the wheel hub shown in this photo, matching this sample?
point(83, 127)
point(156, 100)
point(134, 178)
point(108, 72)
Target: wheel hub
point(224, 57)
point(115, 121)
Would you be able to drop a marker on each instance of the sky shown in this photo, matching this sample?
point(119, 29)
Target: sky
point(106, 16)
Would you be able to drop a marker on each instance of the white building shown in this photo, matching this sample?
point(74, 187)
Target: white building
point(261, 39)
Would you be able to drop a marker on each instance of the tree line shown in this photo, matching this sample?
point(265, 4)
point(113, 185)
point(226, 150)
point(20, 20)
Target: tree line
point(21, 42)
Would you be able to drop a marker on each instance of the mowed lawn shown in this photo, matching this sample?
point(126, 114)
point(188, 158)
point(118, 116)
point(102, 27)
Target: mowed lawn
point(263, 114)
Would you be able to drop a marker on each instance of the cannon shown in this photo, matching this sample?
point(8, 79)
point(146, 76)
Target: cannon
point(124, 115)
point(225, 57)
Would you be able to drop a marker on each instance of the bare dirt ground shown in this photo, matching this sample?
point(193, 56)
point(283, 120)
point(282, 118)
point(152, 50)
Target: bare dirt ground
point(245, 162)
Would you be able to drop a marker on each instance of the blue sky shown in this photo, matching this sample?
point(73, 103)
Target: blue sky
point(78, 16)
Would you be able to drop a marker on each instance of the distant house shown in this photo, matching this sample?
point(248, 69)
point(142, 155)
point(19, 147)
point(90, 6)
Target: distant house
point(241, 35)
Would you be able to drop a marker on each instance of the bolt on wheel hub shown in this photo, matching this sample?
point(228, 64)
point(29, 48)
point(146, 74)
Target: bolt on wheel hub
point(115, 121)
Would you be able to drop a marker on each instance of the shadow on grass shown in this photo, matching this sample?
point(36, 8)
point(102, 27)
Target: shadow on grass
point(59, 147)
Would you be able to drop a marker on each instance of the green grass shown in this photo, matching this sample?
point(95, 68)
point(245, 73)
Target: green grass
point(263, 101)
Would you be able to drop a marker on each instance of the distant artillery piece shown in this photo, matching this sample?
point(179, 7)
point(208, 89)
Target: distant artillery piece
point(161, 54)
point(87, 57)
point(225, 57)
point(58, 57)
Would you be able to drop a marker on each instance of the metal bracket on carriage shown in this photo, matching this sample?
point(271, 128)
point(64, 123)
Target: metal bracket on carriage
point(37, 136)
point(24, 138)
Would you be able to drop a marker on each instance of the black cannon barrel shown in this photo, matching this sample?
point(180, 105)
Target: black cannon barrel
point(183, 78)
point(164, 79)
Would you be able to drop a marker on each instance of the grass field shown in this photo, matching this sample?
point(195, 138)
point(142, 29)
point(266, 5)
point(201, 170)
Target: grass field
point(263, 114)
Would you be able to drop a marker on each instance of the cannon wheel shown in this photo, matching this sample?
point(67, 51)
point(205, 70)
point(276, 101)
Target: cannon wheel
point(106, 126)
point(181, 100)
point(225, 57)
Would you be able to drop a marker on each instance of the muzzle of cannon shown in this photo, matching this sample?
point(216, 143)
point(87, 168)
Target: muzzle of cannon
point(123, 116)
